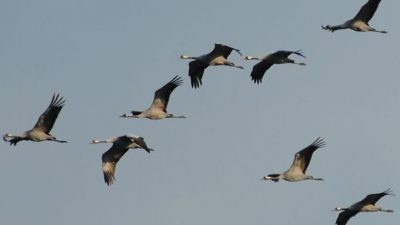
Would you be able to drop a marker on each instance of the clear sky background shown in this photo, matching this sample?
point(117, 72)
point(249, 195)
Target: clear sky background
point(108, 57)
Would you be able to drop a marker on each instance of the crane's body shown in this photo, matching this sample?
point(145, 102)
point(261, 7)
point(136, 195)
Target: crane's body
point(278, 57)
point(158, 109)
point(297, 170)
point(120, 145)
point(217, 57)
point(365, 205)
point(41, 130)
point(360, 21)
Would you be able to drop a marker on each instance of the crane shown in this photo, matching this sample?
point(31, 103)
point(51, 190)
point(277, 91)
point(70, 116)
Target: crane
point(42, 128)
point(360, 21)
point(302, 159)
point(158, 109)
point(217, 57)
point(120, 145)
point(278, 57)
point(365, 205)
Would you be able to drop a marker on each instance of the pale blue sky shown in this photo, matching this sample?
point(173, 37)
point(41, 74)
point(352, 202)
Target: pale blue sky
point(108, 57)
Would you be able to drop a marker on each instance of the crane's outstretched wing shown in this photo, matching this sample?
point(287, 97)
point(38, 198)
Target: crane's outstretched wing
point(345, 216)
point(373, 198)
point(109, 161)
point(224, 50)
point(48, 118)
point(285, 54)
point(367, 11)
point(161, 96)
point(259, 70)
point(196, 71)
point(302, 158)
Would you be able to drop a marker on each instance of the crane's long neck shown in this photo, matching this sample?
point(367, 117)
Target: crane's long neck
point(274, 177)
point(134, 114)
point(14, 139)
point(8, 136)
point(337, 27)
point(173, 116)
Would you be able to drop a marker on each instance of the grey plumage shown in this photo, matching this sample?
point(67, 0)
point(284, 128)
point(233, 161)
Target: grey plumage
point(218, 56)
point(360, 21)
point(278, 57)
point(158, 108)
point(120, 145)
point(300, 163)
point(367, 204)
point(42, 128)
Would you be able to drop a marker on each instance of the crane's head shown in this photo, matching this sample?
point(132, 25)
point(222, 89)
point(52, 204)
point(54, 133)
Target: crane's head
point(97, 141)
point(250, 58)
point(185, 57)
point(128, 115)
point(338, 209)
point(273, 178)
point(7, 137)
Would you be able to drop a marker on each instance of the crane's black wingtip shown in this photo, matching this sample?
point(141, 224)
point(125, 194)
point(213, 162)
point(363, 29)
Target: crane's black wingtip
point(319, 142)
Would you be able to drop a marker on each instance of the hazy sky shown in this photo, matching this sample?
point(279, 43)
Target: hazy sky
point(108, 57)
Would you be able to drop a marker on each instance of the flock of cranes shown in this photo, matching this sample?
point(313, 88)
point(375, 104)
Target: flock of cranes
point(158, 110)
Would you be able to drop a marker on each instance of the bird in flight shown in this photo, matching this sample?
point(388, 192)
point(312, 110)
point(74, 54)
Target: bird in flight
point(297, 171)
point(217, 57)
point(279, 57)
point(360, 21)
point(120, 145)
point(42, 128)
point(158, 109)
point(365, 205)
